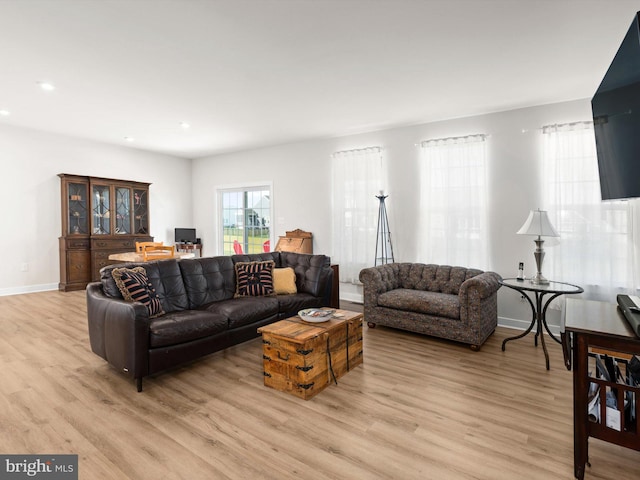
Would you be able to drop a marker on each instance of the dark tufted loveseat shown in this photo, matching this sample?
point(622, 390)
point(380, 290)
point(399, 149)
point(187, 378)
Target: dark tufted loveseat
point(201, 314)
point(455, 303)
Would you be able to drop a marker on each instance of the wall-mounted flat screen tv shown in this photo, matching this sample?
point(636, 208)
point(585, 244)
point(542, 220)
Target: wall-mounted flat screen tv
point(185, 235)
point(616, 120)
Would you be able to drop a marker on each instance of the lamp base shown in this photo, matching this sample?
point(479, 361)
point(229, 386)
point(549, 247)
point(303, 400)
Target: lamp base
point(539, 279)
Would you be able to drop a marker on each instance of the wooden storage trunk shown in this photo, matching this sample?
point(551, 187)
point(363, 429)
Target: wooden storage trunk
point(346, 346)
point(294, 358)
point(304, 358)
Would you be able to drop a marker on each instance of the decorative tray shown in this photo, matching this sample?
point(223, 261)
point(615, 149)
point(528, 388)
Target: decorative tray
point(316, 315)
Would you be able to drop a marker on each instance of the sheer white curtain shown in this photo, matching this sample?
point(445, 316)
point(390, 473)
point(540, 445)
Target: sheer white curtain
point(357, 179)
point(596, 245)
point(453, 202)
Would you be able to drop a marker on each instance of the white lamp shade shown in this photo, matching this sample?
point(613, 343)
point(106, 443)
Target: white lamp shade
point(538, 224)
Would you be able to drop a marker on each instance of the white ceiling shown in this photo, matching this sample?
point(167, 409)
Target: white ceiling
point(250, 73)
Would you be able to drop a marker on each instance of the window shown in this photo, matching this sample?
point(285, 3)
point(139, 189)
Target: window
point(246, 220)
point(357, 179)
point(595, 248)
point(453, 202)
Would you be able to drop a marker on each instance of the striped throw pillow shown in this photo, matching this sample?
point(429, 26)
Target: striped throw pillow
point(254, 279)
point(135, 286)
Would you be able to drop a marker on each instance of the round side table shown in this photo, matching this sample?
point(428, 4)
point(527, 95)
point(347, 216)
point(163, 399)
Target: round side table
point(539, 309)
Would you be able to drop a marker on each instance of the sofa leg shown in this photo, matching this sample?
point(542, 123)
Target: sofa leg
point(475, 348)
point(139, 384)
point(371, 325)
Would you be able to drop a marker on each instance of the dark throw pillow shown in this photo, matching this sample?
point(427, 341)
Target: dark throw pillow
point(254, 279)
point(135, 286)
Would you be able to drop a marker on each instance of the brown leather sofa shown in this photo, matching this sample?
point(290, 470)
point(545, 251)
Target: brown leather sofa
point(201, 314)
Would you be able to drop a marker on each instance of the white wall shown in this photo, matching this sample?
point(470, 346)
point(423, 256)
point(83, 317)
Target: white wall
point(30, 221)
point(301, 179)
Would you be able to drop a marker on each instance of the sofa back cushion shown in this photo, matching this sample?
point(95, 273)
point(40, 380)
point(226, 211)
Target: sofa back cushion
point(311, 271)
point(165, 277)
point(435, 278)
point(257, 257)
point(208, 279)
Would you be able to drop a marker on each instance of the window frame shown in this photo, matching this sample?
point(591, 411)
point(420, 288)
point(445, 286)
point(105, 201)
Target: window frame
point(247, 245)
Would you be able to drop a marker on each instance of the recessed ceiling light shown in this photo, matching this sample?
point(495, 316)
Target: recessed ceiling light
point(47, 86)
point(184, 125)
point(5, 113)
point(129, 139)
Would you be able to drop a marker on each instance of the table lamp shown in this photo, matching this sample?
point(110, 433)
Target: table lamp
point(538, 224)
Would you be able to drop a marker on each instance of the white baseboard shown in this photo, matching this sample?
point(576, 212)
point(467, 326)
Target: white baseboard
point(28, 289)
point(523, 324)
point(351, 297)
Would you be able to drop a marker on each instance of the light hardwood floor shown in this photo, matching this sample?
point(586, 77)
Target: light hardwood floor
point(418, 408)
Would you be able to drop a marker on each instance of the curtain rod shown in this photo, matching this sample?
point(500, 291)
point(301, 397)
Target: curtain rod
point(572, 125)
point(480, 136)
point(358, 150)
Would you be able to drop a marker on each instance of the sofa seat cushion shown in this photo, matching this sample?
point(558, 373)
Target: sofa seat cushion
point(419, 301)
point(292, 304)
point(184, 326)
point(244, 310)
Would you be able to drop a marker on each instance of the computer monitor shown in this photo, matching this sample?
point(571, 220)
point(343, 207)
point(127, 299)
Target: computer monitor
point(185, 235)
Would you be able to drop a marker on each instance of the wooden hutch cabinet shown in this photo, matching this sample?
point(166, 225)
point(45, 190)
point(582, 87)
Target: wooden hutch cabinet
point(100, 216)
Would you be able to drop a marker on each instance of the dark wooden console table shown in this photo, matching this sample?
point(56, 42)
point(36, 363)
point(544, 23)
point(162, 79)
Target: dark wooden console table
point(593, 328)
point(189, 246)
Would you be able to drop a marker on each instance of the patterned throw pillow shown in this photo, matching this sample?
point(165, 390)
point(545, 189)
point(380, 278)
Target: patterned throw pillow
point(254, 279)
point(135, 286)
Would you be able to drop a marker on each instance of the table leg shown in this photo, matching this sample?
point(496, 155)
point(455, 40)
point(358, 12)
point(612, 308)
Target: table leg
point(544, 318)
point(580, 420)
point(526, 332)
point(540, 331)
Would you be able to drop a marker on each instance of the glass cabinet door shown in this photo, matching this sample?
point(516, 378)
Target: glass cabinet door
point(123, 210)
point(141, 211)
point(78, 221)
point(101, 210)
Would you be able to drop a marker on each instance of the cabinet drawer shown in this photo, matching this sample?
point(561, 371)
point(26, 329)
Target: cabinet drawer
point(112, 244)
point(101, 255)
point(99, 263)
point(79, 244)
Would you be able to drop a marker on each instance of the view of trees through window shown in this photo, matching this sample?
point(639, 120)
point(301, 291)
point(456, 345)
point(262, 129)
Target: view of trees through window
point(246, 220)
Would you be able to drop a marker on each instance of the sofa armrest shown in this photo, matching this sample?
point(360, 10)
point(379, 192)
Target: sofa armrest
point(118, 331)
point(377, 280)
point(479, 303)
point(481, 286)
